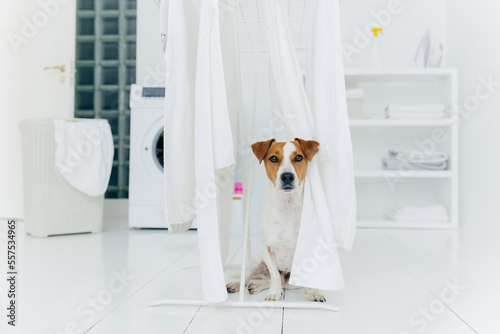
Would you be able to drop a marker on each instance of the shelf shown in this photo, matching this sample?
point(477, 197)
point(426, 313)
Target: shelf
point(398, 74)
point(401, 122)
point(395, 224)
point(371, 137)
point(424, 174)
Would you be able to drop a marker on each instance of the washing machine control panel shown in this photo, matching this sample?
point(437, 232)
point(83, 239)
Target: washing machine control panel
point(153, 92)
point(146, 98)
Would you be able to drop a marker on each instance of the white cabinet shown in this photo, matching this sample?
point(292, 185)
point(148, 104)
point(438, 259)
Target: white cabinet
point(380, 190)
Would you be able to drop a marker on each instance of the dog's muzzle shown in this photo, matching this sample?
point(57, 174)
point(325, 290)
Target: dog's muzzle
point(287, 180)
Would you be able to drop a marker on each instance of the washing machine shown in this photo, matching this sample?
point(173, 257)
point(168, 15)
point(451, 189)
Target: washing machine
point(146, 189)
point(146, 185)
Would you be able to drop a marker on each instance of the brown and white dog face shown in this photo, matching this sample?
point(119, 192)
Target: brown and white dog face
point(286, 162)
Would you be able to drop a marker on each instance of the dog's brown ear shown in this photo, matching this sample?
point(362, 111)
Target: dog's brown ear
point(310, 147)
point(260, 148)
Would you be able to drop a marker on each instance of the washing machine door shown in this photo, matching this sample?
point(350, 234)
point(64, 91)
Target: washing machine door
point(152, 151)
point(152, 157)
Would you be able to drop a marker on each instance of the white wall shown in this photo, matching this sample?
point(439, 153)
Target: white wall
point(10, 159)
point(150, 62)
point(473, 47)
point(404, 23)
point(26, 90)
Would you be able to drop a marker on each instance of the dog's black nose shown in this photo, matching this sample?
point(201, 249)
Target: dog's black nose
point(287, 178)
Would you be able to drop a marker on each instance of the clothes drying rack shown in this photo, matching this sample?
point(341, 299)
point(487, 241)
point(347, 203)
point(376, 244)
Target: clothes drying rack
point(247, 169)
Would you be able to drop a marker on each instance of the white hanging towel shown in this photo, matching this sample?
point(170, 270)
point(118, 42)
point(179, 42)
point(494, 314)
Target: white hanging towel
point(84, 154)
point(213, 147)
point(328, 216)
point(198, 137)
point(327, 96)
point(180, 58)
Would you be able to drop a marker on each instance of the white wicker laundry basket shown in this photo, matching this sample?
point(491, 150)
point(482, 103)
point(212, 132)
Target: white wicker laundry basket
point(51, 205)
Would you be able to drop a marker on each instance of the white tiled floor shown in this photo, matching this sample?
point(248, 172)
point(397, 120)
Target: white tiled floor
point(398, 282)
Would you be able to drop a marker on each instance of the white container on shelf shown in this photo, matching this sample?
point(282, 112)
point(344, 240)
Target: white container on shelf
point(355, 103)
point(51, 205)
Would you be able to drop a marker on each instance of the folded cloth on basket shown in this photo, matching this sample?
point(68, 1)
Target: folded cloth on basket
point(415, 111)
point(84, 154)
point(415, 160)
point(424, 213)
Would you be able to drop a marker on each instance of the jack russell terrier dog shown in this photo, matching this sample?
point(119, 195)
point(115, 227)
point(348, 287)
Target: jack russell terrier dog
point(286, 167)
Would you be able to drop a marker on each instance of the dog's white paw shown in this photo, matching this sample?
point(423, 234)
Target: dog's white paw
point(257, 286)
point(314, 295)
point(233, 287)
point(273, 296)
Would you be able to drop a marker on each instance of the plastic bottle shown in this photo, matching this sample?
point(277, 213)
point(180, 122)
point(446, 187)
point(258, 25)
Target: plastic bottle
point(376, 60)
point(237, 210)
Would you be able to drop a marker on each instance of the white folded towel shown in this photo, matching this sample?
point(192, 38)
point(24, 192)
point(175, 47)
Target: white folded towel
point(84, 154)
point(415, 160)
point(427, 213)
point(416, 156)
point(416, 111)
point(422, 116)
point(392, 163)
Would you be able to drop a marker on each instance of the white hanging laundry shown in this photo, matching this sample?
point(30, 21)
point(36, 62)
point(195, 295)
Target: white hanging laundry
point(225, 182)
point(180, 58)
point(328, 216)
point(325, 85)
point(199, 142)
point(198, 133)
point(213, 147)
point(84, 154)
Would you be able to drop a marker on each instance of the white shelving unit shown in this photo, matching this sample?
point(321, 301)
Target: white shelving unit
point(381, 190)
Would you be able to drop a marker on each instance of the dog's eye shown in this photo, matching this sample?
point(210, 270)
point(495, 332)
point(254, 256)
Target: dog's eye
point(298, 157)
point(273, 158)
